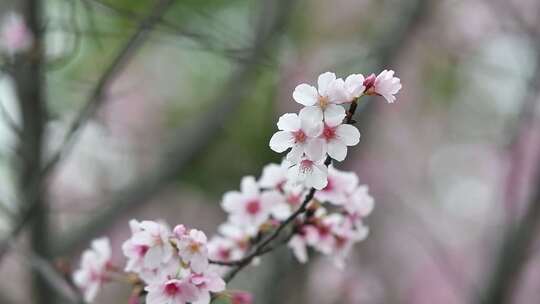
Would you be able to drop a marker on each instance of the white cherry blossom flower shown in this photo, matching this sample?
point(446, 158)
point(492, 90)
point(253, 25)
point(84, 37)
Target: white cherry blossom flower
point(192, 249)
point(150, 241)
point(312, 173)
point(354, 85)
point(384, 84)
point(317, 103)
point(207, 282)
point(173, 291)
point(298, 132)
point(93, 270)
point(249, 208)
point(338, 136)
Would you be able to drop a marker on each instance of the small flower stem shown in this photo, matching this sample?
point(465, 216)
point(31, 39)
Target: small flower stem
point(265, 246)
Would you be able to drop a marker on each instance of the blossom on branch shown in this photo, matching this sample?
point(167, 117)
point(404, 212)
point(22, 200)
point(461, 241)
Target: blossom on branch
point(93, 270)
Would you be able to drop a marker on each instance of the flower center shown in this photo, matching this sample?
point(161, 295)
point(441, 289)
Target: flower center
point(142, 250)
point(224, 254)
point(299, 136)
point(369, 83)
point(323, 102)
point(253, 207)
point(306, 166)
point(328, 132)
point(171, 289)
point(194, 247)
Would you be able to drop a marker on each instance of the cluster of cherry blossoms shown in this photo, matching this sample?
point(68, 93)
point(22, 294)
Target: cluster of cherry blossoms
point(319, 129)
point(15, 36)
point(263, 204)
point(326, 207)
point(171, 265)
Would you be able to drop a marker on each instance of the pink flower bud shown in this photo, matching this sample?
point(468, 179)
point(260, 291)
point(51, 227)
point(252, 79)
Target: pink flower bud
point(179, 231)
point(242, 297)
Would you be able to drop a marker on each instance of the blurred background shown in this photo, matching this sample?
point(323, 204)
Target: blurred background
point(190, 109)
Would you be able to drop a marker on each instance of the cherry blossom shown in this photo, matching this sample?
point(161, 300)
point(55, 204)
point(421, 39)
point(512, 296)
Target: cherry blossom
point(250, 207)
point(15, 36)
point(300, 133)
point(385, 85)
point(93, 270)
point(346, 233)
point(319, 102)
point(207, 282)
point(310, 172)
point(172, 291)
point(149, 242)
point(192, 249)
point(338, 136)
point(354, 86)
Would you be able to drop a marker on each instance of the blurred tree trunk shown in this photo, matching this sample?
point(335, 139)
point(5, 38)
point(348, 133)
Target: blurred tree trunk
point(29, 78)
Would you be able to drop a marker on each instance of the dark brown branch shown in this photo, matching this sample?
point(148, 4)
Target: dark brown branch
point(29, 77)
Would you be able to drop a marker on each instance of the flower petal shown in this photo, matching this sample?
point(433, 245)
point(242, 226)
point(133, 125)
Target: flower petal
point(337, 149)
point(354, 84)
point(289, 122)
point(281, 141)
point(305, 95)
point(317, 177)
point(324, 80)
point(334, 115)
point(348, 134)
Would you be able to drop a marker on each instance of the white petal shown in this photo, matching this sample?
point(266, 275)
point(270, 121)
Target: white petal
point(306, 95)
point(315, 149)
point(281, 141)
point(337, 149)
point(348, 134)
point(289, 122)
point(336, 92)
point(232, 201)
point(334, 115)
point(354, 84)
point(318, 177)
point(311, 114)
point(249, 186)
point(281, 211)
point(324, 81)
point(298, 247)
point(295, 154)
point(153, 257)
